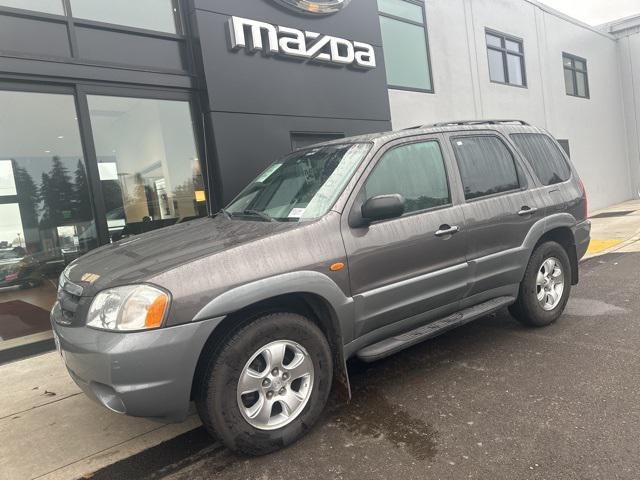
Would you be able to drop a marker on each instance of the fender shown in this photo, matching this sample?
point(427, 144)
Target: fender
point(545, 225)
point(295, 282)
point(542, 226)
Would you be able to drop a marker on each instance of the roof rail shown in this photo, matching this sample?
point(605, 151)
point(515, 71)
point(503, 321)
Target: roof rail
point(478, 122)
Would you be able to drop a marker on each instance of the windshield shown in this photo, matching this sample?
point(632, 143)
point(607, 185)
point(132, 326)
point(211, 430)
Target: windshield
point(303, 186)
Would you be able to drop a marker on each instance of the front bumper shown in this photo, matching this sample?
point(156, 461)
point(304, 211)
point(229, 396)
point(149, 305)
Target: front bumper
point(143, 374)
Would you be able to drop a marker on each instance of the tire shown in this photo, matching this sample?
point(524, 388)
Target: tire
point(218, 399)
point(528, 309)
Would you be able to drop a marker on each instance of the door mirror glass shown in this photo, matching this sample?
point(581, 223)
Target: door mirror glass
point(383, 207)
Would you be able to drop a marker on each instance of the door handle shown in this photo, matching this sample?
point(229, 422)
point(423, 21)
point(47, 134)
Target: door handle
point(527, 211)
point(446, 230)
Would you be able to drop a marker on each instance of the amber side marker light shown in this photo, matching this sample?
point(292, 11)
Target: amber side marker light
point(336, 267)
point(156, 311)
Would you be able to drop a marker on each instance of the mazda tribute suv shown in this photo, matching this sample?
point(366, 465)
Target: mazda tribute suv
point(359, 247)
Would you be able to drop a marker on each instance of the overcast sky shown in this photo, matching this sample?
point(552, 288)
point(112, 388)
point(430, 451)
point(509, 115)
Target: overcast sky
point(595, 12)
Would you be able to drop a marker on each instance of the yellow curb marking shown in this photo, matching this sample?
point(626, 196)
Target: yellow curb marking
point(597, 246)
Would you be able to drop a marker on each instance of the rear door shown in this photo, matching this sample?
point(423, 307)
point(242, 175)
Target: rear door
point(549, 164)
point(501, 203)
point(404, 268)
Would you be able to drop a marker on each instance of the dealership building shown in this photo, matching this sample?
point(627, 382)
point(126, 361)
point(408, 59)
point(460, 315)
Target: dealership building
point(119, 117)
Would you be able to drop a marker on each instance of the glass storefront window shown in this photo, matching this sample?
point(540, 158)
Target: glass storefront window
point(46, 219)
point(148, 163)
point(45, 6)
point(157, 15)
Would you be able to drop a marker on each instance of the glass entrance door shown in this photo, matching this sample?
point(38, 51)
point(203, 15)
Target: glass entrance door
point(46, 217)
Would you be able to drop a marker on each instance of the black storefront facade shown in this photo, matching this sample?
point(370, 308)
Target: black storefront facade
point(121, 117)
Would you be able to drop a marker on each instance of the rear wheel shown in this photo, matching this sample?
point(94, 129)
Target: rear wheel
point(268, 385)
point(546, 286)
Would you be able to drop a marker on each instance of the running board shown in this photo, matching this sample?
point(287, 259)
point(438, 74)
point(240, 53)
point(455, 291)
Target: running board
point(392, 345)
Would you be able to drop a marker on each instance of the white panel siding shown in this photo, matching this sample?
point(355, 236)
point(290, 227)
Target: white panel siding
point(602, 131)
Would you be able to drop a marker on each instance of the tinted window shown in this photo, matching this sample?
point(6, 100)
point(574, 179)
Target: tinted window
point(486, 166)
point(544, 156)
point(404, 38)
point(149, 14)
point(416, 172)
point(46, 6)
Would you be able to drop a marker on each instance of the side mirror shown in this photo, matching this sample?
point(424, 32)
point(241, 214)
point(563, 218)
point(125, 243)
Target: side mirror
point(383, 207)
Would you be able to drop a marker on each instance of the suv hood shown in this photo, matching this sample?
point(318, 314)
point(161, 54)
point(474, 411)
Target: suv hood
point(142, 257)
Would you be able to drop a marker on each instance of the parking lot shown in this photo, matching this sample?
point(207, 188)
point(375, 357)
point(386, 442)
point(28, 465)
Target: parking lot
point(488, 400)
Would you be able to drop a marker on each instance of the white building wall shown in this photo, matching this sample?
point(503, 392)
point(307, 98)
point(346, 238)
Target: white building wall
point(595, 127)
point(629, 65)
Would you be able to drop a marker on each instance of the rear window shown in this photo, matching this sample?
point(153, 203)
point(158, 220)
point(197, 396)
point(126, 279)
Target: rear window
point(544, 156)
point(486, 166)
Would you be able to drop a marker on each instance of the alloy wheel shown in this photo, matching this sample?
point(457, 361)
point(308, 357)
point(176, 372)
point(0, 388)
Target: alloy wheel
point(550, 283)
point(275, 385)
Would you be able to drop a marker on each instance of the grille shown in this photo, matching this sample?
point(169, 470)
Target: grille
point(69, 296)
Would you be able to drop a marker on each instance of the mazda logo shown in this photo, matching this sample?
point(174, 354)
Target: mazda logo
point(315, 7)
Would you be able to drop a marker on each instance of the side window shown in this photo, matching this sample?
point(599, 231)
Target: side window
point(544, 156)
point(486, 166)
point(416, 171)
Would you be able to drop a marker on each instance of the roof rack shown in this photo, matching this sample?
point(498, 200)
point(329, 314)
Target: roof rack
point(479, 122)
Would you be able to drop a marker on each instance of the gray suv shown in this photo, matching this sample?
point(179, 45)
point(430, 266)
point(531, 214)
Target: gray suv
point(354, 248)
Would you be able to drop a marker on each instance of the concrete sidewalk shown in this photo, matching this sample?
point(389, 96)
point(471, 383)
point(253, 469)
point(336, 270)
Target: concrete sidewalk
point(615, 228)
point(50, 430)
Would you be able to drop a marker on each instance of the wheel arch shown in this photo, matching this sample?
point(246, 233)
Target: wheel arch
point(557, 228)
point(323, 303)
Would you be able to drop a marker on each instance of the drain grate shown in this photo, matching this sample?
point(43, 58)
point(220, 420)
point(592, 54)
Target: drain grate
point(613, 214)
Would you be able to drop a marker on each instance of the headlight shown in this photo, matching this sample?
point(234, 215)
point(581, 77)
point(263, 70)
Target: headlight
point(134, 307)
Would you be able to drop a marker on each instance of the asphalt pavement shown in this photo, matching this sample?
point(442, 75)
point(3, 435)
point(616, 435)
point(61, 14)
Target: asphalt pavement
point(490, 400)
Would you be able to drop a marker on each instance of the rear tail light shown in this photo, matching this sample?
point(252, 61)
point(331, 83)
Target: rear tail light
point(585, 200)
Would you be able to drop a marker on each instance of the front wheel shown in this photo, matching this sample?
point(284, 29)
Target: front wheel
point(546, 286)
point(267, 385)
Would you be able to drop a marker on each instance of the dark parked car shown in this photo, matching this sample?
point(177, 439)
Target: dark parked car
point(17, 268)
point(355, 248)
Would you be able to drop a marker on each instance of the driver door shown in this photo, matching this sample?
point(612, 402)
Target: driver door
point(408, 270)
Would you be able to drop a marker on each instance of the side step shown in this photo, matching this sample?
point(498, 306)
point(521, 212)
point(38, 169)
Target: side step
point(392, 345)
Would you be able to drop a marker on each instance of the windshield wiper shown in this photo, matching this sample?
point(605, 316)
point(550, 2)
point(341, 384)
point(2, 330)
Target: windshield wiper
point(256, 213)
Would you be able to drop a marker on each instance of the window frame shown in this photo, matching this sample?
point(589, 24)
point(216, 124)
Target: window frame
point(71, 21)
point(423, 25)
point(523, 183)
point(504, 37)
point(383, 152)
point(574, 72)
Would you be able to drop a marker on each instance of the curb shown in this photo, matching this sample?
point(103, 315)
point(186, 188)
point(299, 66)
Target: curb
point(631, 240)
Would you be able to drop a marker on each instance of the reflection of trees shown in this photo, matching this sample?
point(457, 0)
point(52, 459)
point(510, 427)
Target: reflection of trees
point(112, 193)
point(56, 192)
point(28, 196)
point(81, 206)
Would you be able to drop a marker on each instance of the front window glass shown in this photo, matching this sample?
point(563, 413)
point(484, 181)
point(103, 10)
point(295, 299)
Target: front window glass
point(148, 163)
point(46, 214)
point(303, 186)
point(149, 14)
point(415, 171)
